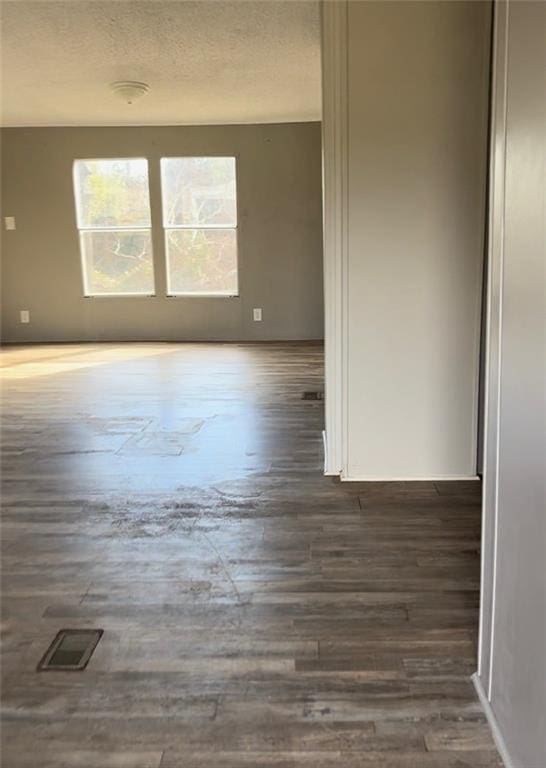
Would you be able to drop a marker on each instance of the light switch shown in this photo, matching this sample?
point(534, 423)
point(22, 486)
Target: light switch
point(9, 221)
point(25, 316)
point(257, 314)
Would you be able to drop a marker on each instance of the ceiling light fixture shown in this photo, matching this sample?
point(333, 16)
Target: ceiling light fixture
point(129, 90)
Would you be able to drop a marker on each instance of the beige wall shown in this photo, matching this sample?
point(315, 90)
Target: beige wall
point(417, 156)
point(280, 236)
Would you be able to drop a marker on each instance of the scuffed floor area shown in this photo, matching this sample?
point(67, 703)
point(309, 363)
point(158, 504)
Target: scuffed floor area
point(255, 613)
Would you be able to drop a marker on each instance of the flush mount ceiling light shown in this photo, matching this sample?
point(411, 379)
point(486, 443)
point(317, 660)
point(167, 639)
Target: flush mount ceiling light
point(129, 90)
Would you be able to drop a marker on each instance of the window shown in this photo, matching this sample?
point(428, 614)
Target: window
point(113, 218)
point(200, 221)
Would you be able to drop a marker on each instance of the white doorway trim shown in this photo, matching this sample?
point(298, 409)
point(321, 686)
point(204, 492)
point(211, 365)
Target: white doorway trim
point(335, 171)
point(493, 359)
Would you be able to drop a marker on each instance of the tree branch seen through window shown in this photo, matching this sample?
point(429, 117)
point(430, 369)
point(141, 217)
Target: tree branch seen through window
point(200, 221)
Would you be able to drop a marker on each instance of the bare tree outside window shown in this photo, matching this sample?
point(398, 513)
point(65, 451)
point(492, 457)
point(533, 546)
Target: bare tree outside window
point(200, 221)
point(113, 218)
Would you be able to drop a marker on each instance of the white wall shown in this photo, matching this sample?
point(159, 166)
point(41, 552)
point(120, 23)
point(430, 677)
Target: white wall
point(415, 128)
point(512, 666)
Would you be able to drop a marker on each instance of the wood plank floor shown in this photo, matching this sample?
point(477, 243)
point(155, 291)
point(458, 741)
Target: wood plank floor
point(255, 612)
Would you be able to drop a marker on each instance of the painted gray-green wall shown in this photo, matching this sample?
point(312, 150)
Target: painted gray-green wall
point(280, 236)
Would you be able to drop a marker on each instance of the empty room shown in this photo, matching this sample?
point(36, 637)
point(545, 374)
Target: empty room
point(273, 384)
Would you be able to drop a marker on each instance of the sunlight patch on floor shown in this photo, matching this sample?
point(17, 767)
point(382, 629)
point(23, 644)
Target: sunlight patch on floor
point(13, 365)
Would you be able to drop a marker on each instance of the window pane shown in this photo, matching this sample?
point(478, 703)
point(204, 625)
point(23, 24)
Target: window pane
point(112, 193)
point(199, 191)
point(117, 262)
point(202, 261)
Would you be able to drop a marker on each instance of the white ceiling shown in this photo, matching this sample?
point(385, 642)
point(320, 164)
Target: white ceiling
point(210, 61)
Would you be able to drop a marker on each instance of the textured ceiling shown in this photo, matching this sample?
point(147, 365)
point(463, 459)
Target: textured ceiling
point(211, 61)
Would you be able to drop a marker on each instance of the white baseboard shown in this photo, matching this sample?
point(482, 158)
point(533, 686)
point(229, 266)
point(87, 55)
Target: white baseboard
point(328, 472)
point(493, 724)
point(428, 478)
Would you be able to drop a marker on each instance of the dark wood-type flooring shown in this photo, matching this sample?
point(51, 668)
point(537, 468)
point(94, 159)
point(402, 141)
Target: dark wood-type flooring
point(256, 613)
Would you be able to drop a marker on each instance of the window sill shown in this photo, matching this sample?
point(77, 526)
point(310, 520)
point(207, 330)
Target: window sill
point(203, 296)
point(167, 296)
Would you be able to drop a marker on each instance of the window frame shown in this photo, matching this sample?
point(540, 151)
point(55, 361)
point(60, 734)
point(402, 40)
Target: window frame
point(168, 227)
point(84, 228)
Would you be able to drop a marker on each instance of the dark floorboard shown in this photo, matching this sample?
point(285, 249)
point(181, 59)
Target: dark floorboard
point(255, 612)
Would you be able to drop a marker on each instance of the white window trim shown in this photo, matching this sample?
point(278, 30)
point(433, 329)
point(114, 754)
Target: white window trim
point(85, 228)
point(168, 227)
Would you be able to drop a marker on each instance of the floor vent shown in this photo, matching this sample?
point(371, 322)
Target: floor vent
point(313, 396)
point(70, 650)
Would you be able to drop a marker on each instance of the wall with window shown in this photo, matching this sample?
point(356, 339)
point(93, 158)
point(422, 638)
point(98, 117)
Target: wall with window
point(173, 233)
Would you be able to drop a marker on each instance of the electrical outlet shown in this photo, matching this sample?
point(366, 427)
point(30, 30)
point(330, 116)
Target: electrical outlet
point(25, 316)
point(257, 314)
point(9, 221)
